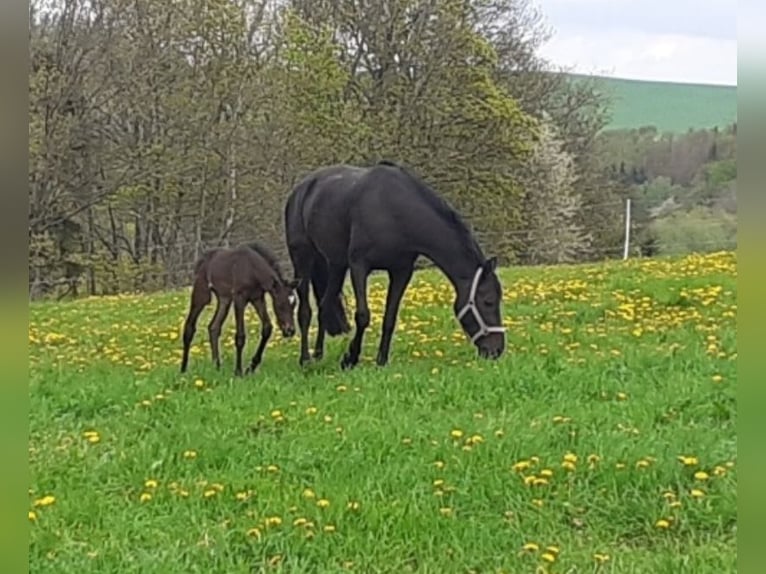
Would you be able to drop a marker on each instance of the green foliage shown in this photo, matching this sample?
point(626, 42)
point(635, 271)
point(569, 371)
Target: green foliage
point(698, 230)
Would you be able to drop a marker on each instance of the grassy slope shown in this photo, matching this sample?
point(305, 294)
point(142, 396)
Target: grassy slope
point(672, 107)
point(626, 366)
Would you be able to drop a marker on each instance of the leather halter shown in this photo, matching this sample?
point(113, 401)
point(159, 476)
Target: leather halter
point(484, 329)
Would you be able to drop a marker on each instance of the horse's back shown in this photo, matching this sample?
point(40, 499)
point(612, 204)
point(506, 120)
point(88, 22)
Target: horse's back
point(316, 214)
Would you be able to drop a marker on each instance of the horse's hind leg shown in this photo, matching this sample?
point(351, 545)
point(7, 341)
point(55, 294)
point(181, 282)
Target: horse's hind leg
point(214, 328)
point(266, 330)
point(240, 303)
point(200, 298)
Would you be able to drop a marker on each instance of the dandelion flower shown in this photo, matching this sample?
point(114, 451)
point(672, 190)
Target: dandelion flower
point(546, 472)
point(188, 454)
point(145, 497)
point(273, 521)
point(521, 465)
point(456, 433)
point(275, 414)
point(445, 511)
point(45, 500)
point(439, 464)
point(530, 547)
point(697, 493)
point(662, 523)
point(353, 505)
point(199, 383)
point(568, 465)
point(254, 533)
point(688, 460)
point(701, 475)
point(601, 558)
point(329, 528)
point(32, 515)
point(308, 493)
point(323, 503)
point(311, 411)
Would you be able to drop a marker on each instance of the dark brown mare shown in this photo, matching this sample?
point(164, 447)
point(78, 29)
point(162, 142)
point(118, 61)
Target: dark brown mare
point(381, 218)
point(239, 275)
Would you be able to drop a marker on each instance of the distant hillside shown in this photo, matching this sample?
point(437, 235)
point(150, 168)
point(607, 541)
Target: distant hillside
point(669, 106)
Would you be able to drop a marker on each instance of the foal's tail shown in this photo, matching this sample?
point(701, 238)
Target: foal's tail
point(334, 319)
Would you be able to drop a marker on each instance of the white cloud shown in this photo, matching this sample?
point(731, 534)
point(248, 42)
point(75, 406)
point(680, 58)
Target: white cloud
point(671, 40)
point(646, 56)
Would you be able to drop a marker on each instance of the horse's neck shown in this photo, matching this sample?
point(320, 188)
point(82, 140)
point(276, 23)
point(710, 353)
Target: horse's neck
point(449, 252)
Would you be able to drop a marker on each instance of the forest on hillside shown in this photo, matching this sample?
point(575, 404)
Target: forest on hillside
point(161, 128)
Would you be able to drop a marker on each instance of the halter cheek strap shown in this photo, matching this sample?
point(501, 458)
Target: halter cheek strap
point(470, 306)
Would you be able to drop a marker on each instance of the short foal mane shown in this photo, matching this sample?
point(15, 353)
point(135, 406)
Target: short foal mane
point(269, 256)
point(442, 208)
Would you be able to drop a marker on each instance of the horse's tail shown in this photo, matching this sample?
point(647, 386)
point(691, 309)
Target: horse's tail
point(334, 319)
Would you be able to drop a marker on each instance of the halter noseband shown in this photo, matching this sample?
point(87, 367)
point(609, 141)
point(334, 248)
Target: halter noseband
point(484, 329)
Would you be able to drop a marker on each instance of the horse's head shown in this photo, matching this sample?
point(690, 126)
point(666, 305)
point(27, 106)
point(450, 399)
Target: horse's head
point(478, 308)
point(285, 300)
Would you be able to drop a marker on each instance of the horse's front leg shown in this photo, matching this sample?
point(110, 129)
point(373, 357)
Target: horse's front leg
point(266, 330)
point(398, 279)
point(359, 272)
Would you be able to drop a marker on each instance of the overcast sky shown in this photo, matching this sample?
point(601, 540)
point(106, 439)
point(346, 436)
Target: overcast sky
point(673, 40)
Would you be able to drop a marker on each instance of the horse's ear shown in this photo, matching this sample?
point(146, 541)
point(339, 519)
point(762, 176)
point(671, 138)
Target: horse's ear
point(490, 264)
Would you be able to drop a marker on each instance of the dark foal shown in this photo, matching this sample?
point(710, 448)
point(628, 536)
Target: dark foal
point(239, 275)
point(361, 219)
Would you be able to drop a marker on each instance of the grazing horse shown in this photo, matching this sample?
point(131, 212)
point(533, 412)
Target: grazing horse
point(345, 217)
point(241, 275)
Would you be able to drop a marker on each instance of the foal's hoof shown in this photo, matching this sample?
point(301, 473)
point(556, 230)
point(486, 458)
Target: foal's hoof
point(348, 362)
point(303, 361)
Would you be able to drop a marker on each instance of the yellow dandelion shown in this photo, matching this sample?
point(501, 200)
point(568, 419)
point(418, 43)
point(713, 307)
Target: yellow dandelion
point(540, 482)
point(717, 378)
point(273, 521)
point(242, 496)
point(688, 460)
point(521, 465)
point(341, 388)
point(593, 458)
point(530, 479)
point(675, 504)
point(406, 441)
point(439, 464)
point(570, 457)
point(662, 523)
point(275, 414)
point(537, 502)
point(530, 547)
point(719, 470)
point(199, 383)
point(546, 472)
point(308, 493)
point(601, 558)
point(330, 528)
point(254, 533)
point(45, 500)
point(32, 515)
point(701, 475)
point(456, 433)
point(323, 503)
point(438, 482)
point(353, 505)
point(145, 497)
point(272, 468)
point(311, 411)
point(643, 463)
point(499, 433)
point(210, 492)
point(697, 493)
point(189, 454)
point(568, 465)
point(445, 511)
point(299, 521)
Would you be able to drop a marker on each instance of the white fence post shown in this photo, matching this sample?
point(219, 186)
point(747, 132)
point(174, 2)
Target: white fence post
point(627, 229)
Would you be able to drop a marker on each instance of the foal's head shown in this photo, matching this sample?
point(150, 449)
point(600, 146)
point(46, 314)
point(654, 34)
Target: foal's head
point(284, 298)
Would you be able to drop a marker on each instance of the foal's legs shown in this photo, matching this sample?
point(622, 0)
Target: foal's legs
point(398, 280)
point(200, 297)
point(240, 304)
point(359, 273)
point(266, 329)
point(214, 328)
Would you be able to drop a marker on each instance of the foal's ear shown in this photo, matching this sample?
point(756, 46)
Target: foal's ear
point(490, 264)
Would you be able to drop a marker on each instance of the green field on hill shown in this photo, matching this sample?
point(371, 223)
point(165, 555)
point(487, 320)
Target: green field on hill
point(604, 440)
point(671, 107)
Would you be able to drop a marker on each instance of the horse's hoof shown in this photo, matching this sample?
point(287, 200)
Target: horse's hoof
point(381, 361)
point(347, 362)
point(303, 361)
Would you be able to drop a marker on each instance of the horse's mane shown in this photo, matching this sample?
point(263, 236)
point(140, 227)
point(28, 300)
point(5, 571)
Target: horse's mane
point(269, 256)
point(442, 207)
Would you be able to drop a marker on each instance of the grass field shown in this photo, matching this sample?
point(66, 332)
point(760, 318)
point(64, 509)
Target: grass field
point(671, 107)
point(603, 441)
